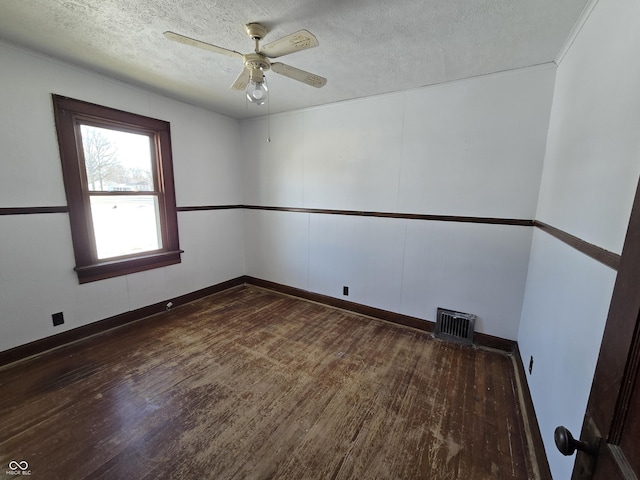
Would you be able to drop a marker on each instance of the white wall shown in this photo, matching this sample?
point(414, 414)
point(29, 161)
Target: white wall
point(471, 148)
point(590, 175)
point(36, 255)
point(563, 317)
point(593, 153)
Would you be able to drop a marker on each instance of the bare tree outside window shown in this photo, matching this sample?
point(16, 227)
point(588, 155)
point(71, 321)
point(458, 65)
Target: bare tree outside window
point(100, 157)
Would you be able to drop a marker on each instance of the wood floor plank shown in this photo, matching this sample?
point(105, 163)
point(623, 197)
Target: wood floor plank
point(253, 384)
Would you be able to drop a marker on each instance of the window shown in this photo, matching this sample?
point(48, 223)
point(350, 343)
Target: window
point(118, 179)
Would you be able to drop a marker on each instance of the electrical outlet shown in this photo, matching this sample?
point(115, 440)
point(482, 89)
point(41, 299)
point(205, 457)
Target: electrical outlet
point(58, 319)
point(345, 291)
point(530, 364)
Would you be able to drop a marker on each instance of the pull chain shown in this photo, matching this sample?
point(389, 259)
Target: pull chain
point(268, 120)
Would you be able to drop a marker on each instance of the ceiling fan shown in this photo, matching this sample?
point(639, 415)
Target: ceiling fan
point(255, 64)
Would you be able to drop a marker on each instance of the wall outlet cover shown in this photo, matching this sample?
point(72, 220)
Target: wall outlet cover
point(58, 319)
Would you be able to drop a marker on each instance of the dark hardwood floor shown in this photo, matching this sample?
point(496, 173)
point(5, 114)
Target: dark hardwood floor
point(252, 384)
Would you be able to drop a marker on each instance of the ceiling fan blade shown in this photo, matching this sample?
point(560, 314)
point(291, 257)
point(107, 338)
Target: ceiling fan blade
point(176, 37)
point(291, 43)
point(299, 75)
point(242, 81)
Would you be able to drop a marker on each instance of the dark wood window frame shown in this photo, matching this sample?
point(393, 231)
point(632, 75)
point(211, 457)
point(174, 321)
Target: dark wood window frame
point(69, 114)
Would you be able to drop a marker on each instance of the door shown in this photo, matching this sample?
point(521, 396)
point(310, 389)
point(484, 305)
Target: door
point(612, 421)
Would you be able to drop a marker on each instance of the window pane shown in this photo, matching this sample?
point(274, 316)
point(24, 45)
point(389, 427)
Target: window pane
point(116, 160)
point(125, 224)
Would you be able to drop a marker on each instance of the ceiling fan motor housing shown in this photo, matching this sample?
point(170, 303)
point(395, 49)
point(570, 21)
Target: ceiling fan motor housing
point(256, 31)
point(256, 61)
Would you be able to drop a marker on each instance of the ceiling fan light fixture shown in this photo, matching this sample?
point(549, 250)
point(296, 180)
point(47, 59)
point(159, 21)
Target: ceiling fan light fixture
point(257, 90)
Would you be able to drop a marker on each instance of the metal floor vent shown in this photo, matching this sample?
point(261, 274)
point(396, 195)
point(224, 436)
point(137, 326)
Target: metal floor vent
point(455, 326)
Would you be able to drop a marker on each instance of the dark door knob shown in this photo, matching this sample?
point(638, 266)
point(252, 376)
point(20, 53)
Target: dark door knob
point(567, 444)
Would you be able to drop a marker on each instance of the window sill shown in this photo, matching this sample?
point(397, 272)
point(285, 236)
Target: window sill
point(116, 268)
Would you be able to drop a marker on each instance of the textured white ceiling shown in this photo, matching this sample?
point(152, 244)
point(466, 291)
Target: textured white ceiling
point(367, 47)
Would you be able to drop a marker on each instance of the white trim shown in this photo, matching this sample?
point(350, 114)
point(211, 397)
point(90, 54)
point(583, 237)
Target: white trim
point(575, 31)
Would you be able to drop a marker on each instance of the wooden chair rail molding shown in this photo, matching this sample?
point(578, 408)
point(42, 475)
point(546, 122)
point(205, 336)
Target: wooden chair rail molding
point(33, 210)
point(603, 256)
point(606, 257)
point(360, 213)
